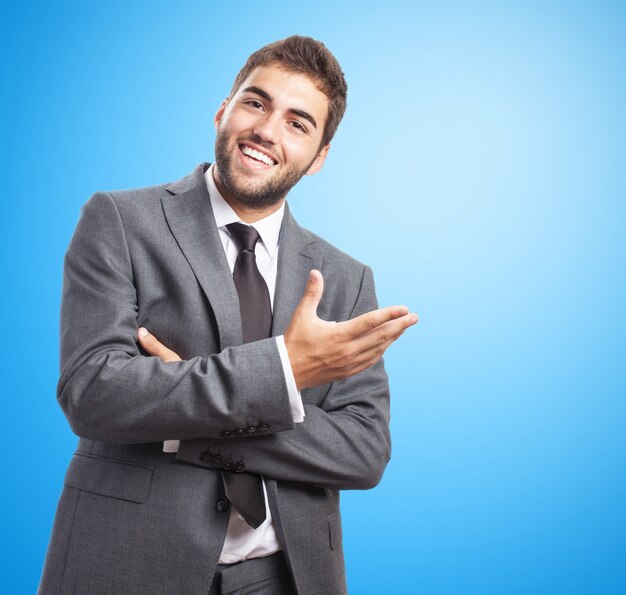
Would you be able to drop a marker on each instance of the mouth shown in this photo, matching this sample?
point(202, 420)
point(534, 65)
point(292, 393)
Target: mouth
point(256, 156)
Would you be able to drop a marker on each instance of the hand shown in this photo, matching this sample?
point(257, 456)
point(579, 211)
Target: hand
point(154, 347)
point(322, 352)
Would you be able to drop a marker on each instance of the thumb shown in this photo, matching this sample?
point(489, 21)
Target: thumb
point(312, 292)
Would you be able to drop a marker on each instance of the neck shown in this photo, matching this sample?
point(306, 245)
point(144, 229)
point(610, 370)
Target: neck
point(246, 213)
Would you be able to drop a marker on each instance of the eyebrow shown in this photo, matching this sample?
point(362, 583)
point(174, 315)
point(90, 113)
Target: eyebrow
point(262, 93)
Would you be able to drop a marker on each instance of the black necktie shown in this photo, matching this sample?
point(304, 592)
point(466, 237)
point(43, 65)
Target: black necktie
point(245, 490)
point(254, 298)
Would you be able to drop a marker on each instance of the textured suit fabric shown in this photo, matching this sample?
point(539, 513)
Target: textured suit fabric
point(132, 519)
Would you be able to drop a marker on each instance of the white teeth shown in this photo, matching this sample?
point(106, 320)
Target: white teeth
point(257, 155)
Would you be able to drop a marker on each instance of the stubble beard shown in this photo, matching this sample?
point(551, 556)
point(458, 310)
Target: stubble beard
point(253, 196)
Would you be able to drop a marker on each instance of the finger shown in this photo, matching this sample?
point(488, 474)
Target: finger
point(385, 333)
point(312, 293)
point(154, 347)
point(368, 357)
point(370, 321)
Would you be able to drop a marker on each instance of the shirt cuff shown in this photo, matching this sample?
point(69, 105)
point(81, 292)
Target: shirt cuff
point(171, 445)
point(295, 398)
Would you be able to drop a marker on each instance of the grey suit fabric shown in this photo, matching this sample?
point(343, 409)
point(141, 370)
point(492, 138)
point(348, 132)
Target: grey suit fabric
point(132, 519)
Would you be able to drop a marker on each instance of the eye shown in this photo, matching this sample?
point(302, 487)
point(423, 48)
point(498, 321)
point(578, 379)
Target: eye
point(298, 126)
point(253, 103)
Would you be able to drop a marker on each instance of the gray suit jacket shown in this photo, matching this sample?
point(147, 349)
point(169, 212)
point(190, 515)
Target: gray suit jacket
point(132, 519)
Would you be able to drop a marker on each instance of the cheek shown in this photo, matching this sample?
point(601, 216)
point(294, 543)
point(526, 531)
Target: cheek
point(298, 152)
point(233, 124)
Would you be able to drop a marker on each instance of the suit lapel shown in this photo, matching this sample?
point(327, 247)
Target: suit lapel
point(187, 208)
point(296, 258)
point(189, 215)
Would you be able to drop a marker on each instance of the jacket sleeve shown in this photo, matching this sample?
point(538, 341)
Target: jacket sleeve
point(342, 444)
point(109, 391)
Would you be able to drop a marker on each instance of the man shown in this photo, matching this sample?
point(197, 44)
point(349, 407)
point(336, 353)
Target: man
point(221, 364)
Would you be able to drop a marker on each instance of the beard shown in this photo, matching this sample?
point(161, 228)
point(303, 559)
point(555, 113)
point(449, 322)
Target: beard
point(253, 195)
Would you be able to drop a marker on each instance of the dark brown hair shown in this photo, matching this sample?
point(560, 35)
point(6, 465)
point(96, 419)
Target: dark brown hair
point(305, 55)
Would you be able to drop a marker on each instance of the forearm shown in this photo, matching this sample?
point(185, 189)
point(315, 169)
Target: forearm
point(117, 397)
point(342, 444)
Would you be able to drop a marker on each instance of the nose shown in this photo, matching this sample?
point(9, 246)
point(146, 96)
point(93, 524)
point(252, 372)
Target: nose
point(266, 127)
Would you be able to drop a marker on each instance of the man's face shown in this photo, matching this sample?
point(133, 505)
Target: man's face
point(268, 136)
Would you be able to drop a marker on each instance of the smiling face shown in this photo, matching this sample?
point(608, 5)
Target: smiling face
point(268, 137)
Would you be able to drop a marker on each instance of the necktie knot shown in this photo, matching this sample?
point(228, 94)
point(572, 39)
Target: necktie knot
point(245, 235)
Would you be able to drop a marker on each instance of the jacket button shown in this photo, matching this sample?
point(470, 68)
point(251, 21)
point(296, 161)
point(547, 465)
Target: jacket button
point(216, 460)
point(251, 429)
point(228, 463)
point(205, 457)
point(239, 467)
point(222, 505)
point(263, 428)
point(239, 432)
point(226, 434)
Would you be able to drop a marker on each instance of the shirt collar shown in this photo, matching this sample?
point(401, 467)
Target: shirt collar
point(268, 227)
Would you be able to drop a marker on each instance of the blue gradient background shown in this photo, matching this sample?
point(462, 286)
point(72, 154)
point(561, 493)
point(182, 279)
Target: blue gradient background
point(479, 171)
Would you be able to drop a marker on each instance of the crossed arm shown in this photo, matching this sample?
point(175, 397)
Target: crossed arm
point(110, 391)
point(345, 443)
point(321, 352)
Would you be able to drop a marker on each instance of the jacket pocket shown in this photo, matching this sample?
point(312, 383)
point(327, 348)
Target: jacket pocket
point(109, 477)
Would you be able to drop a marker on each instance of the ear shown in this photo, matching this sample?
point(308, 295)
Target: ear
point(220, 112)
point(318, 161)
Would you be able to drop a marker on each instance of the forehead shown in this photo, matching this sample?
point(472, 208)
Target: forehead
point(288, 90)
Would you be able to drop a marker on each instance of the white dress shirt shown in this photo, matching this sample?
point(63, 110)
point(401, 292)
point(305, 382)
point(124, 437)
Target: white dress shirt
point(242, 541)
